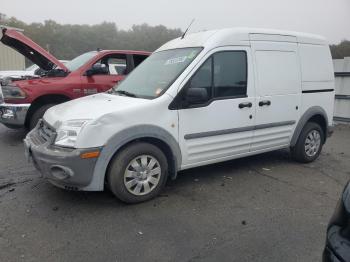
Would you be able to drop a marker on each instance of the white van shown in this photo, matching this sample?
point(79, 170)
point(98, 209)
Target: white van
point(199, 99)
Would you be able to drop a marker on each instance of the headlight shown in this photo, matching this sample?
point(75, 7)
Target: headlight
point(68, 132)
point(11, 91)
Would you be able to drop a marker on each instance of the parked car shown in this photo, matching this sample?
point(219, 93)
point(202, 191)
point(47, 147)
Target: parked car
point(24, 102)
point(338, 232)
point(200, 99)
point(30, 72)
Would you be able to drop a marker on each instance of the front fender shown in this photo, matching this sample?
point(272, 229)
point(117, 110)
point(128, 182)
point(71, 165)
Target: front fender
point(124, 137)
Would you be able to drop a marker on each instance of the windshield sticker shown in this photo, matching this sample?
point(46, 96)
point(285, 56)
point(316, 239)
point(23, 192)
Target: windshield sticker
point(176, 60)
point(192, 55)
point(159, 91)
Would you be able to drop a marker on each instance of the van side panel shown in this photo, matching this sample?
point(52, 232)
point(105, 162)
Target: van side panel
point(317, 78)
point(324, 99)
point(316, 63)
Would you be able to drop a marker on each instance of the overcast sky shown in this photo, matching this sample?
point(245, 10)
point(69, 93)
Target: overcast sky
point(330, 18)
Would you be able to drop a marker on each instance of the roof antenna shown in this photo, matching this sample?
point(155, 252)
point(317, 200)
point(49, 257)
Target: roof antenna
point(184, 34)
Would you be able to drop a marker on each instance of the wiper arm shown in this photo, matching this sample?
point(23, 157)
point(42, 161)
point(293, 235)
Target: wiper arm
point(126, 93)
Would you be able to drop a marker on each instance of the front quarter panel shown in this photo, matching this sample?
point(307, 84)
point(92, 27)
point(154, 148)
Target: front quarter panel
point(113, 130)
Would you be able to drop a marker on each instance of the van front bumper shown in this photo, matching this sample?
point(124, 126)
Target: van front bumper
point(63, 167)
point(13, 115)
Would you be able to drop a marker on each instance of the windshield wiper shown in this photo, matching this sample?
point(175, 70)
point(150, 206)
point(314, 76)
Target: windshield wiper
point(126, 93)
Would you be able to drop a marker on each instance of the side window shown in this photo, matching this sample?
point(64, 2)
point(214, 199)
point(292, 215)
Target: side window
point(223, 75)
point(116, 64)
point(203, 77)
point(138, 59)
point(230, 74)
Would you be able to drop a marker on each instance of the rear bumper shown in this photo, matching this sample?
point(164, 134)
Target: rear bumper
point(13, 115)
point(63, 167)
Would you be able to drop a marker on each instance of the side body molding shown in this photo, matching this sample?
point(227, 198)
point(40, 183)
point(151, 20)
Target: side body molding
point(312, 111)
point(125, 136)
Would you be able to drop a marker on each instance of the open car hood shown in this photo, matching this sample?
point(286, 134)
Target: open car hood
point(30, 50)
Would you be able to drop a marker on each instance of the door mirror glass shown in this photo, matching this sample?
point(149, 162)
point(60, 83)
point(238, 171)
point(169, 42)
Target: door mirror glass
point(97, 69)
point(196, 95)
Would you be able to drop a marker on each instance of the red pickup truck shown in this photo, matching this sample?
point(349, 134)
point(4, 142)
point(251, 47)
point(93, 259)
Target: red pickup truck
point(24, 101)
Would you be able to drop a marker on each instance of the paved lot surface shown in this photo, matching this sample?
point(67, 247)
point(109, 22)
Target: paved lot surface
point(261, 208)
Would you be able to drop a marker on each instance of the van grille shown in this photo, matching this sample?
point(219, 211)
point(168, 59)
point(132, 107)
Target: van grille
point(46, 132)
point(43, 134)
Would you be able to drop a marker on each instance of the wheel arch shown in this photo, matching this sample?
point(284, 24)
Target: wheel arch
point(42, 100)
point(145, 133)
point(314, 114)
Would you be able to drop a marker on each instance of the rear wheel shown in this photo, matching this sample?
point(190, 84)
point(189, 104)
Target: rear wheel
point(309, 144)
point(39, 113)
point(138, 173)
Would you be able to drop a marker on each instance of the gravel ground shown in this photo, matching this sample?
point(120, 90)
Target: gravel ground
point(260, 208)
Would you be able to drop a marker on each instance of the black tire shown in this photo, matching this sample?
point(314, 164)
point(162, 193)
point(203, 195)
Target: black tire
point(299, 153)
point(39, 113)
point(121, 162)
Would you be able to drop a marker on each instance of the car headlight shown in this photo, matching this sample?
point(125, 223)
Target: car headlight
point(68, 132)
point(11, 91)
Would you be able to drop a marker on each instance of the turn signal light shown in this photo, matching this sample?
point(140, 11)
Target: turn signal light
point(87, 155)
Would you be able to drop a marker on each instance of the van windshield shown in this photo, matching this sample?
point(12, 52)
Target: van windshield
point(79, 61)
point(155, 75)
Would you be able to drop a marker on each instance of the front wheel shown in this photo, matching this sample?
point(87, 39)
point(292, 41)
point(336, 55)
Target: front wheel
point(309, 144)
point(138, 173)
point(38, 114)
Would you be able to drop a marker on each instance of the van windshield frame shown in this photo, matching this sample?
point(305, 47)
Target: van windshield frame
point(153, 77)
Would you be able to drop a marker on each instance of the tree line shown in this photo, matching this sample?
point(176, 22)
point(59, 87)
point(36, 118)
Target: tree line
point(66, 41)
point(341, 50)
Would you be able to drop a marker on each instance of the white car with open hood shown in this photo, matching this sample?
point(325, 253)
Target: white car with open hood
point(199, 99)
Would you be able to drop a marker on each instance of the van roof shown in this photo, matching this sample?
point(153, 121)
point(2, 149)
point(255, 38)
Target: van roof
point(241, 36)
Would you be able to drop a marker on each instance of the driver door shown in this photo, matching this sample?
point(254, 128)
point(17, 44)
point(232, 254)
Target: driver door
point(116, 70)
point(221, 126)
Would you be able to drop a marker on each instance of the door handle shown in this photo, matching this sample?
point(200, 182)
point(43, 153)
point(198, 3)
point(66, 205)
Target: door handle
point(265, 103)
point(246, 104)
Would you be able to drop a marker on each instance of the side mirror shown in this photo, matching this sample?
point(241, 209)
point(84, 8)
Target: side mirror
point(97, 69)
point(196, 95)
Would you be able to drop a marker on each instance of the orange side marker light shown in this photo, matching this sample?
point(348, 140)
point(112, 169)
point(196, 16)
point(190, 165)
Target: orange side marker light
point(88, 155)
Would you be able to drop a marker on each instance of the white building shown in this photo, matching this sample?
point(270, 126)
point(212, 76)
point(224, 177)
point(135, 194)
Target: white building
point(342, 89)
point(9, 58)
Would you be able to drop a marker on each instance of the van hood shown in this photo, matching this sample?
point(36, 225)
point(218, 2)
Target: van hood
point(90, 107)
point(30, 50)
